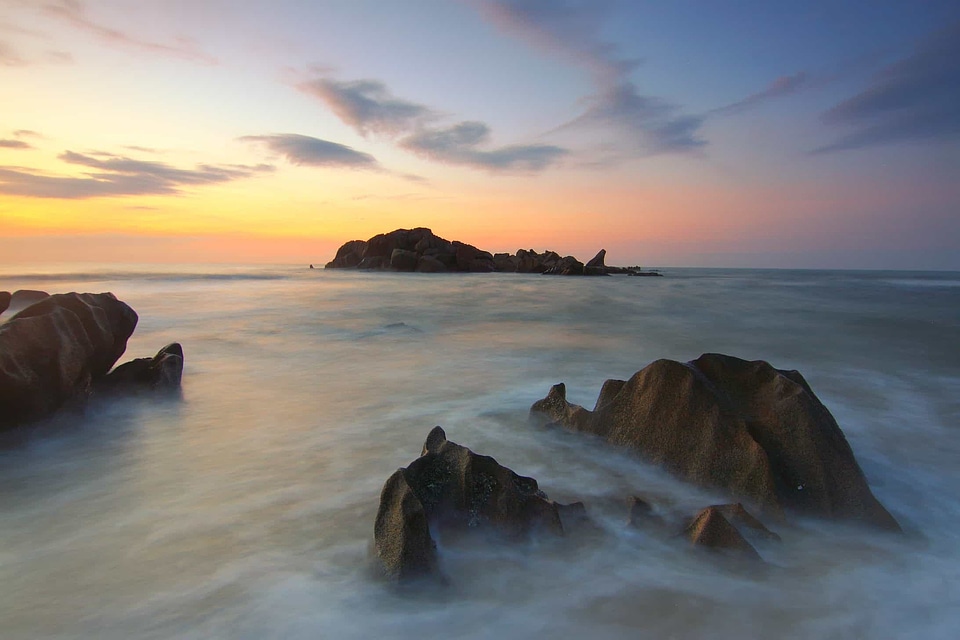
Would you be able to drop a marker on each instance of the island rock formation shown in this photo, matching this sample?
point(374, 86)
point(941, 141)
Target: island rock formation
point(421, 251)
point(757, 432)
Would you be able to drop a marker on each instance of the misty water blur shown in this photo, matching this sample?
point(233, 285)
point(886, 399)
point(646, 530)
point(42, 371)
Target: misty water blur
point(245, 508)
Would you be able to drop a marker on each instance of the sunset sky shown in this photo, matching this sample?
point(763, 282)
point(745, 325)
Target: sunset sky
point(766, 134)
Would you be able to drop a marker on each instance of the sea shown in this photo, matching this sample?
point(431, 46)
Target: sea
point(243, 507)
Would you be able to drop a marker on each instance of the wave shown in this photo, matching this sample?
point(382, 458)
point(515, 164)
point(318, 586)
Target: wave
point(150, 277)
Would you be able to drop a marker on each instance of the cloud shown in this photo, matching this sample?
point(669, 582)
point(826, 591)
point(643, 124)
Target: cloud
point(571, 29)
point(782, 86)
point(73, 12)
point(461, 144)
point(14, 144)
point(9, 57)
point(118, 176)
point(367, 106)
point(314, 152)
point(917, 98)
point(27, 133)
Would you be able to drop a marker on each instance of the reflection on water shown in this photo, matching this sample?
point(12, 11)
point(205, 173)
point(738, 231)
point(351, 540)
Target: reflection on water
point(245, 510)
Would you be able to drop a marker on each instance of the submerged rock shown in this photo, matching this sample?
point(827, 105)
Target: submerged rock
point(711, 530)
point(758, 432)
point(451, 487)
point(53, 350)
point(163, 371)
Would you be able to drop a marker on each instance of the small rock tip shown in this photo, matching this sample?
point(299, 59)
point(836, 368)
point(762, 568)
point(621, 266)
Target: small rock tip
point(434, 441)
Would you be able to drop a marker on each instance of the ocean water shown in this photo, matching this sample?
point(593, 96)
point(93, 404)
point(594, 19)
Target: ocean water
point(245, 507)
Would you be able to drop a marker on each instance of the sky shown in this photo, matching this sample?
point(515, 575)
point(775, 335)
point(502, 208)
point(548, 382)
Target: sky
point(673, 133)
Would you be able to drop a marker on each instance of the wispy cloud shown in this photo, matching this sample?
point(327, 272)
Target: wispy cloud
point(463, 144)
point(9, 57)
point(571, 29)
point(916, 98)
point(14, 144)
point(782, 86)
point(305, 150)
point(27, 133)
point(367, 106)
point(74, 13)
point(118, 176)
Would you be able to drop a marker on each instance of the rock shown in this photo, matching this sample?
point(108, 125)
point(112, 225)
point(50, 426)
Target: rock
point(568, 266)
point(597, 260)
point(430, 264)
point(403, 260)
point(4, 300)
point(473, 260)
point(757, 432)
point(53, 350)
point(402, 532)
point(451, 487)
point(596, 267)
point(163, 371)
point(711, 530)
point(378, 253)
point(375, 262)
point(349, 255)
point(23, 298)
point(737, 515)
point(505, 263)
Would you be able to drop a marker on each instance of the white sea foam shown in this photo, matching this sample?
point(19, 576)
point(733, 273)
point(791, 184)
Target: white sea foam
point(245, 510)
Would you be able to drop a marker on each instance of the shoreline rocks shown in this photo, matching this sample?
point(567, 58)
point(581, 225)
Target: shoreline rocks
point(61, 348)
point(419, 250)
point(745, 427)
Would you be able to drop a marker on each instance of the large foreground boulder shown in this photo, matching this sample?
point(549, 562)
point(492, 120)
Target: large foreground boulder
point(755, 431)
point(52, 351)
point(451, 487)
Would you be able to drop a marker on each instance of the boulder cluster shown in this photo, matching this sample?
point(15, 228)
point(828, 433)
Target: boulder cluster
point(757, 433)
point(59, 349)
point(421, 251)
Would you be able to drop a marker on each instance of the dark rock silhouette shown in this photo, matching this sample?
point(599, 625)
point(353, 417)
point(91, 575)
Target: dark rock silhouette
point(4, 300)
point(52, 351)
point(451, 487)
point(163, 371)
point(755, 431)
point(420, 250)
point(21, 299)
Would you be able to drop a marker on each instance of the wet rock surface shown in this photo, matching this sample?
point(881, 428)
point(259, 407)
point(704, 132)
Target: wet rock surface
point(60, 349)
point(53, 350)
point(162, 371)
point(755, 431)
point(449, 487)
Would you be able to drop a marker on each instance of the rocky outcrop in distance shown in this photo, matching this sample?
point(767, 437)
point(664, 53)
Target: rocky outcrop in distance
point(451, 487)
point(61, 348)
point(421, 251)
point(757, 432)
